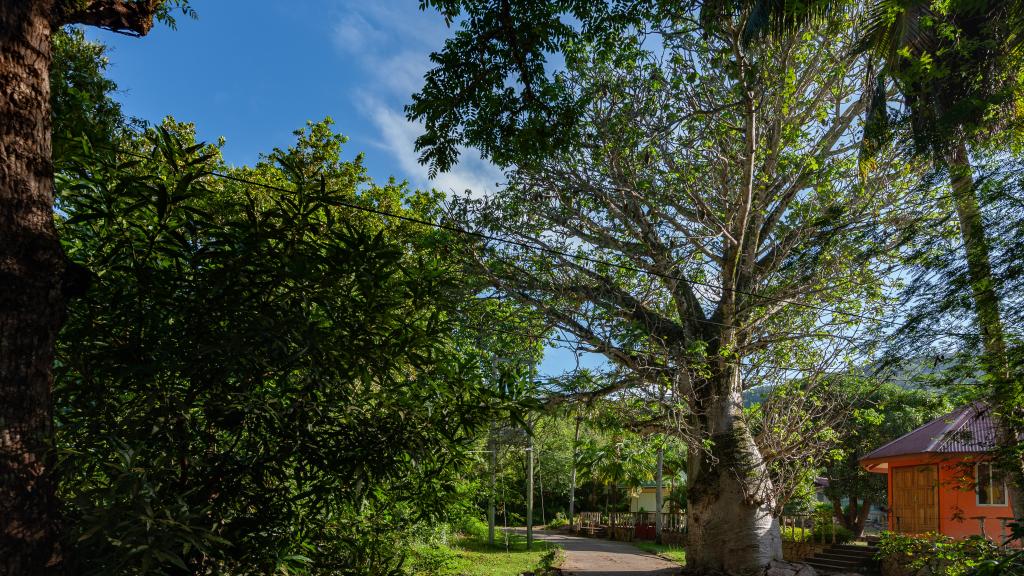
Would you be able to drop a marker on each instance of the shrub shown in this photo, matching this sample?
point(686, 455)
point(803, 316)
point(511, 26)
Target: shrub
point(558, 521)
point(821, 532)
point(431, 560)
point(473, 526)
point(935, 554)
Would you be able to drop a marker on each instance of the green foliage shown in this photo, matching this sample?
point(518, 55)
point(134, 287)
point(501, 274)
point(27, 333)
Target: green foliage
point(430, 560)
point(80, 94)
point(1007, 564)
point(558, 521)
point(938, 555)
point(472, 556)
point(879, 413)
point(955, 63)
point(623, 460)
point(822, 532)
point(473, 527)
point(497, 94)
point(259, 380)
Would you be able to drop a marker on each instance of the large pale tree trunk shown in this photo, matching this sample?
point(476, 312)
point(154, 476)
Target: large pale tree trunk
point(732, 527)
point(1006, 390)
point(31, 303)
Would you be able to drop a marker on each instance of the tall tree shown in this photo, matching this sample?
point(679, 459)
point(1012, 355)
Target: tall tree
point(33, 284)
point(957, 66)
point(880, 414)
point(697, 208)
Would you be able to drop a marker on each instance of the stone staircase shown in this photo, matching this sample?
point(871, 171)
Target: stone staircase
point(842, 558)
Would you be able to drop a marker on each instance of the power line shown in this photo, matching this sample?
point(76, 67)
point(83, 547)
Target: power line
point(540, 248)
point(755, 365)
point(596, 261)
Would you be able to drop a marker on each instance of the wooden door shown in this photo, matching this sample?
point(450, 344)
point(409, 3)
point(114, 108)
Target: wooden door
point(915, 499)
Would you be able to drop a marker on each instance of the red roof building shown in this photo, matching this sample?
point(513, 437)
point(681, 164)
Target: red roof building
point(941, 478)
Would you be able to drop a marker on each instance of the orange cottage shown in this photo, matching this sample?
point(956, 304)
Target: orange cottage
point(941, 478)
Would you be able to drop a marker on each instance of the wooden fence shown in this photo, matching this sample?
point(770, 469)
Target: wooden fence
point(803, 535)
point(628, 526)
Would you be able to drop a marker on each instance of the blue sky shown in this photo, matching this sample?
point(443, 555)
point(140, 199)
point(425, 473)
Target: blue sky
point(253, 72)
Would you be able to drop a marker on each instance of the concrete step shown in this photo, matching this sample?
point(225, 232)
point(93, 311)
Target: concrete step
point(839, 560)
point(856, 547)
point(856, 554)
point(843, 558)
point(825, 566)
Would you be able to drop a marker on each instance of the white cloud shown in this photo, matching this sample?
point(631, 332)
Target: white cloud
point(398, 136)
point(392, 43)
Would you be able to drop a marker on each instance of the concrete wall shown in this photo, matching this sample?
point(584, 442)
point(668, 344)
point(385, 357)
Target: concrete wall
point(958, 505)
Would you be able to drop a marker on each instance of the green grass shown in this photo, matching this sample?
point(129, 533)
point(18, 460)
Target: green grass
point(671, 553)
point(472, 556)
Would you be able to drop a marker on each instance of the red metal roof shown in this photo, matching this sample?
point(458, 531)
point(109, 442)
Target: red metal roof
point(966, 429)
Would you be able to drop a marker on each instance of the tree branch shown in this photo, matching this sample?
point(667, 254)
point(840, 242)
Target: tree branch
point(121, 16)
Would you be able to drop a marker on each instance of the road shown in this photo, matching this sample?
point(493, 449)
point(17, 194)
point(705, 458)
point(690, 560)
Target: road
point(599, 557)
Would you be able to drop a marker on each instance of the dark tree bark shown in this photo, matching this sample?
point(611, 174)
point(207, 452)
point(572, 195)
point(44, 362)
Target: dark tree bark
point(32, 270)
point(31, 304)
point(856, 515)
point(862, 518)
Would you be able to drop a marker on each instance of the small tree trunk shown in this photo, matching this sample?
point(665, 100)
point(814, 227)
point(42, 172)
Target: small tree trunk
point(572, 477)
point(659, 497)
point(31, 302)
point(733, 528)
point(862, 518)
point(1006, 390)
point(837, 511)
point(529, 493)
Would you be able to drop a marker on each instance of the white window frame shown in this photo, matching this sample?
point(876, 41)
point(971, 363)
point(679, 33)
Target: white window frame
point(977, 485)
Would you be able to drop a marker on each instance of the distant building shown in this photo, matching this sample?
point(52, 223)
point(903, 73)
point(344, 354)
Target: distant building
point(642, 499)
point(941, 477)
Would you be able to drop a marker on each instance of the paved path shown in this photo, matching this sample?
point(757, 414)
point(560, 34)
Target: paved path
point(599, 557)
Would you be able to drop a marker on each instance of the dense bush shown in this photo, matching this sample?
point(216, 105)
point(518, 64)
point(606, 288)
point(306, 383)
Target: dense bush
point(260, 379)
point(427, 560)
point(937, 555)
point(820, 533)
point(823, 528)
point(473, 527)
point(558, 521)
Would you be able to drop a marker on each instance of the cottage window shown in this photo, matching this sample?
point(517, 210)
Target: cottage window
point(991, 485)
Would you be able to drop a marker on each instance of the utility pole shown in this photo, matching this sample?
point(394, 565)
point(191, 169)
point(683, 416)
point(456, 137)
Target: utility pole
point(540, 480)
point(490, 500)
point(529, 474)
point(529, 491)
point(659, 499)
